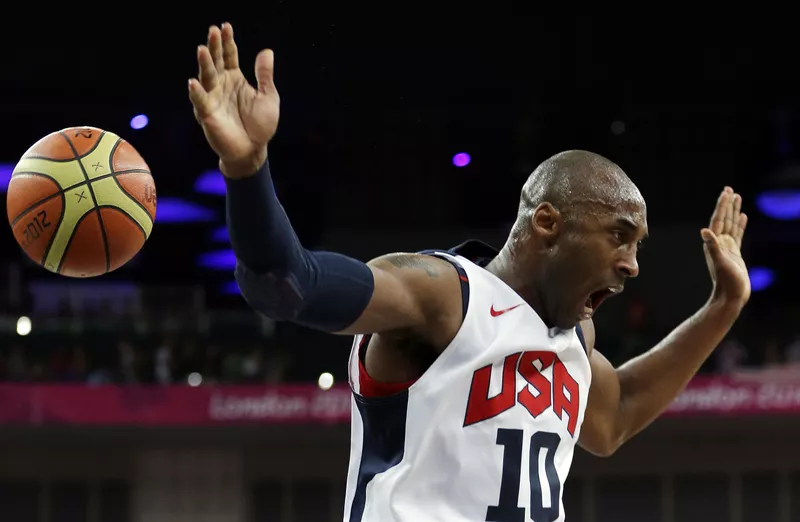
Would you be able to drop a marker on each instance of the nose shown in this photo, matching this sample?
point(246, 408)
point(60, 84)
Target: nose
point(628, 266)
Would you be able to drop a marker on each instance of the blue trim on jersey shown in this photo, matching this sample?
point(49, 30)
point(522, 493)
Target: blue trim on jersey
point(581, 338)
point(383, 444)
point(476, 251)
point(462, 276)
point(384, 419)
point(481, 254)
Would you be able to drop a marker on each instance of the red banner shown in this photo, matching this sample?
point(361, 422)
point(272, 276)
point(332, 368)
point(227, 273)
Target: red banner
point(205, 406)
point(744, 394)
point(171, 406)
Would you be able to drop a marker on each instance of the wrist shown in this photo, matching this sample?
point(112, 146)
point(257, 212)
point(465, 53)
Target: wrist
point(243, 168)
point(723, 309)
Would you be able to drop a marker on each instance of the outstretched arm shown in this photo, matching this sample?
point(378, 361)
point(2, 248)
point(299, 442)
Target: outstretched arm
point(277, 276)
point(329, 291)
point(625, 400)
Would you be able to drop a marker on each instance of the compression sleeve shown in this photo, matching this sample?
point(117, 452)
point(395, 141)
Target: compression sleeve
point(277, 276)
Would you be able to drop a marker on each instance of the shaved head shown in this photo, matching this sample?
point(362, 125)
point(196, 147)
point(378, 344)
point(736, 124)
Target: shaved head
point(577, 180)
point(578, 230)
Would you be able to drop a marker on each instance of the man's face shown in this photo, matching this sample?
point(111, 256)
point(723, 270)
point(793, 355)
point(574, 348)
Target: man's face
point(591, 259)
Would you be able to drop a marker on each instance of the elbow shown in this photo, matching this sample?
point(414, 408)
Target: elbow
point(600, 448)
point(602, 443)
point(605, 449)
point(277, 298)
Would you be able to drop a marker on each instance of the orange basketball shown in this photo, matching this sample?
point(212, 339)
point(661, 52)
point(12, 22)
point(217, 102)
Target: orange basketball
point(81, 202)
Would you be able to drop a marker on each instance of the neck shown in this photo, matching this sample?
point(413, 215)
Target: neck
point(506, 268)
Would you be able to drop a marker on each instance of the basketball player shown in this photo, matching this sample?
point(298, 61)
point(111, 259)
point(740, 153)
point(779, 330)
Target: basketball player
point(474, 372)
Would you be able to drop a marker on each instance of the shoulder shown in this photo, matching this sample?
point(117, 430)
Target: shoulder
point(431, 266)
point(433, 287)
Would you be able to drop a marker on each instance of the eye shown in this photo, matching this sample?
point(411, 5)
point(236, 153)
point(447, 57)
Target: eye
point(619, 235)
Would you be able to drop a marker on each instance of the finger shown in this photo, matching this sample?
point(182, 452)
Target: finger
point(198, 97)
point(265, 64)
point(740, 229)
point(731, 220)
point(208, 73)
point(230, 53)
point(736, 210)
point(718, 217)
point(215, 47)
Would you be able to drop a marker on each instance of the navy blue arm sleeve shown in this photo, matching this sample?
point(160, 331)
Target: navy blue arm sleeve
point(277, 276)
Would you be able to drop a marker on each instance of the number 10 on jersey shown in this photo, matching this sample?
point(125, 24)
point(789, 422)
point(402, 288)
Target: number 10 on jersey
point(507, 508)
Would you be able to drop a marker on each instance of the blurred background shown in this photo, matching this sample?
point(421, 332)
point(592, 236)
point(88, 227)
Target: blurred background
point(154, 393)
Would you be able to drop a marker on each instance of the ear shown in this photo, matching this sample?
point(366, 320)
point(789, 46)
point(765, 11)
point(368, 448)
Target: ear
point(547, 222)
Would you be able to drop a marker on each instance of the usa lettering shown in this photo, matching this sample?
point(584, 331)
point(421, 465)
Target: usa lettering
point(562, 394)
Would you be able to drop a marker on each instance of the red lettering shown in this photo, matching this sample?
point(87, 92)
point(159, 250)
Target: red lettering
point(562, 394)
point(480, 407)
point(562, 380)
point(535, 405)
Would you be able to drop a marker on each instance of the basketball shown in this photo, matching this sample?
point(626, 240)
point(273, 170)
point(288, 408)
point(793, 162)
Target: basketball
point(81, 202)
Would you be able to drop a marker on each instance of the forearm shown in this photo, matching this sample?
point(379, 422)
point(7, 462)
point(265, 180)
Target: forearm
point(650, 382)
point(257, 224)
point(280, 278)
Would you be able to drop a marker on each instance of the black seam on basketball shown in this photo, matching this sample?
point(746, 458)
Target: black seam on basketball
point(132, 198)
point(58, 225)
point(34, 173)
point(128, 194)
point(74, 151)
point(96, 144)
point(54, 160)
point(111, 155)
point(98, 178)
point(71, 237)
point(94, 199)
point(40, 202)
point(125, 213)
point(67, 189)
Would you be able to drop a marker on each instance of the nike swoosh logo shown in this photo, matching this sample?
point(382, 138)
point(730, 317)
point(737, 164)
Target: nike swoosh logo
point(495, 313)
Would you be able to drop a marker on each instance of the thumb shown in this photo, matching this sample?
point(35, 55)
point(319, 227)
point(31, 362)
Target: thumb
point(198, 97)
point(711, 241)
point(265, 62)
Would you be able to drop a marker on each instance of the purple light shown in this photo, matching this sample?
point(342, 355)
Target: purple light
point(210, 182)
point(219, 260)
point(231, 288)
point(176, 210)
point(220, 235)
point(5, 175)
point(780, 204)
point(461, 159)
point(139, 122)
point(760, 278)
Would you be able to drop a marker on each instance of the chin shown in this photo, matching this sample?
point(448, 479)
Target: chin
point(565, 323)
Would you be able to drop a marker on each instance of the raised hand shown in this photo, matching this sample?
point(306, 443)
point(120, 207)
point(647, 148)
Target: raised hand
point(723, 243)
point(237, 119)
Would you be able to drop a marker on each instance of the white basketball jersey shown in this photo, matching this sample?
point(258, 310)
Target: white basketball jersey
point(487, 433)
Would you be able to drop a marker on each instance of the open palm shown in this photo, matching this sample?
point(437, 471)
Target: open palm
point(723, 243)
point(237, 119)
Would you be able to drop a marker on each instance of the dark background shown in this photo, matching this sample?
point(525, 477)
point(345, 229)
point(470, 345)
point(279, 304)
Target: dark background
point(375, 103)
point(374, 108)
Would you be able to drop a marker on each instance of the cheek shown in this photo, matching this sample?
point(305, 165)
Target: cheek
point(569, 269)
point(594, 259)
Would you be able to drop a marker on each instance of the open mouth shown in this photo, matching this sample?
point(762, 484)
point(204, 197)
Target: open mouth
point(595, 299)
